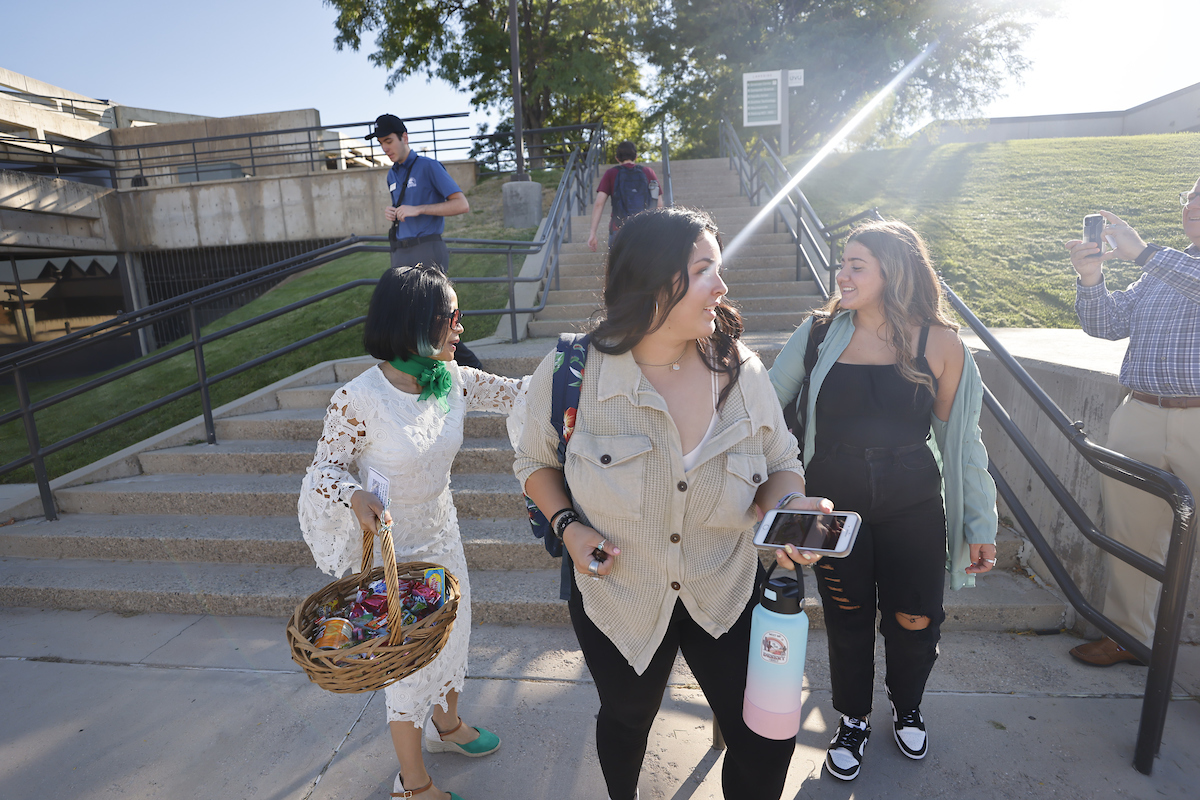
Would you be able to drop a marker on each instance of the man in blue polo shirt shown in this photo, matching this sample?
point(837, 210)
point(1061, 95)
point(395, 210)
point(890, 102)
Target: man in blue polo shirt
point(423, 195)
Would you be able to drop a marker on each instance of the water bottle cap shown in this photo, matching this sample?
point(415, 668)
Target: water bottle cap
point(783, 594)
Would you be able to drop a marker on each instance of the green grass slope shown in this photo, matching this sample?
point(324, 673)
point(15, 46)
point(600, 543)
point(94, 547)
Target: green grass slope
point(996, 215)
point(106, 402)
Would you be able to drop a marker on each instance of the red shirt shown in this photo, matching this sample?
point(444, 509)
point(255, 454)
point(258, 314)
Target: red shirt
point(610, 177)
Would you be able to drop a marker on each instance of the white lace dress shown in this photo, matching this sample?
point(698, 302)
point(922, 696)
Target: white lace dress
point(371, 423)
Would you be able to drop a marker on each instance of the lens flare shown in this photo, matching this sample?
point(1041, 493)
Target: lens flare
point(828, 148)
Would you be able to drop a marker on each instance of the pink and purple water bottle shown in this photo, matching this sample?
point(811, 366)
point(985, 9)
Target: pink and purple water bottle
point(775, 672)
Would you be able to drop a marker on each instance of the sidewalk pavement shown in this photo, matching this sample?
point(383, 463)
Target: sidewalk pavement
point(176, 706)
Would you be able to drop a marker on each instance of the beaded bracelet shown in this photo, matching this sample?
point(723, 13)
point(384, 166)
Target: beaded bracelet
point(554, 516)
point(789, 497)
point(563, 520)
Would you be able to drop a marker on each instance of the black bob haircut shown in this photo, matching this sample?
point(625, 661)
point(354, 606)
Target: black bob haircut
point(646, 275)
point(409, 313)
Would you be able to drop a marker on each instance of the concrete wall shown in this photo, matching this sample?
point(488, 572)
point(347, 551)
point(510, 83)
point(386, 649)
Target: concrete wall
point(1089, 394)
point(39, 120)
point(54, 215)
point(1173, 113)
point(274, 154)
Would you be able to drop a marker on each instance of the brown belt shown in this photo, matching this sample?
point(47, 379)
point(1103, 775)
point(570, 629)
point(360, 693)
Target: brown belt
point(1167, 402)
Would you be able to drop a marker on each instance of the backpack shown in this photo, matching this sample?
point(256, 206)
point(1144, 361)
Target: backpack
point(569, 360)
point(631, 194)
point(795, 415)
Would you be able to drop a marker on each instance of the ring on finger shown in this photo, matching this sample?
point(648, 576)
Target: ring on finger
point(989, 561)
point(594, 568)
point(600, 547)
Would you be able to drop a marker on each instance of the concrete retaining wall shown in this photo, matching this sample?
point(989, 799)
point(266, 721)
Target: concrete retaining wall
point(1087, 395)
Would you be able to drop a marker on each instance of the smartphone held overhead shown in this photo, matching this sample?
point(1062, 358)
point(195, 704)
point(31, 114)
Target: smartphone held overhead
point(829, 534)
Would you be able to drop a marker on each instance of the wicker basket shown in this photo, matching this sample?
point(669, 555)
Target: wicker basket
point(384, 660)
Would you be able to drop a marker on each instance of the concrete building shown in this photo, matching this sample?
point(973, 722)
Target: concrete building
point(1172, 113)
point(175, 201)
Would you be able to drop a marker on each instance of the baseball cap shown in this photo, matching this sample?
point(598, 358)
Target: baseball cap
point(385, 124)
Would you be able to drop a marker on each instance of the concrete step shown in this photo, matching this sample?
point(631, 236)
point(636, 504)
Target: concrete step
point(739, 262)
point(752, 323)
point(1001, 601)
point(488, 543)
point(514, 597)
point(763, 236)
point(264, 456)
point(305, 424)
point(732, 277)
point(740, 292)
point(476, 496)
point(725, 211)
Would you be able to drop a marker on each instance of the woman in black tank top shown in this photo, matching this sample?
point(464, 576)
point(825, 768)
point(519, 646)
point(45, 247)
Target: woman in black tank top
point(898, 370)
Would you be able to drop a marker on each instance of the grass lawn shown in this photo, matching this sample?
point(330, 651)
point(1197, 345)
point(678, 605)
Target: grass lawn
point(996, 215)
point(106, 402)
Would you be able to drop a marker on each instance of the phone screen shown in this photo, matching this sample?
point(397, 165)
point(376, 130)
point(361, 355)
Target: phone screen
point(805, 531)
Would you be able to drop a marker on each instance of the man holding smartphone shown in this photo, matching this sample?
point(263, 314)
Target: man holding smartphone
point(1159, 422)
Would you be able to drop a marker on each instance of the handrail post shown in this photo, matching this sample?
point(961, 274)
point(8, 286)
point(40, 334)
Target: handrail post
point(512, 295)
point(210, 429)
point(1171, 610)
point(35, 447)
point(253, 167)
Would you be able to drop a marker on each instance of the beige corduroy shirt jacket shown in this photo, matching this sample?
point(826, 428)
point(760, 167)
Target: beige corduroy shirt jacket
point(685, 535)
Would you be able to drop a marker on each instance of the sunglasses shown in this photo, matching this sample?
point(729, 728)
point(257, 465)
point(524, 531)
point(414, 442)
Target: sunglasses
point(455, 317)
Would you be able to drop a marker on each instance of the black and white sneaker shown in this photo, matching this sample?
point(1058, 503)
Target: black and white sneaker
point(909, 728)
point(845, 754)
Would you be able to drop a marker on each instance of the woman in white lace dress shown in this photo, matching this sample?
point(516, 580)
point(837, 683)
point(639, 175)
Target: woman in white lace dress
point(404, 418)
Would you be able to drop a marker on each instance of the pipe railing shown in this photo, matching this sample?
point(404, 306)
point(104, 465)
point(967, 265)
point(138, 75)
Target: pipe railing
point(273, 152)
point(580, 171)
point(756, 174)
point(668, 193)
point(1174, 574)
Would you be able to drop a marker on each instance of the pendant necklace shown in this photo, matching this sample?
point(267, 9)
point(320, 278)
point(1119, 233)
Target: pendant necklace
point(674, 365)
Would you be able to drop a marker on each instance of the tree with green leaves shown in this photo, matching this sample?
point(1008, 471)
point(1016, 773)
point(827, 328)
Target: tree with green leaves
point(848, 49)
point(578, 57)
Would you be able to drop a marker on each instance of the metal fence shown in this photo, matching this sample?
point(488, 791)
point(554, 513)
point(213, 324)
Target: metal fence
point(275, 152)
point(185, 312)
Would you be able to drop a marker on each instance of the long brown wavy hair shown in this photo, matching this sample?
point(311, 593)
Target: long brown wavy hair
point(912, 293)
point(646, 275)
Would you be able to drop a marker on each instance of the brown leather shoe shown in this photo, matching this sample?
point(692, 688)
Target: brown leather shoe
point(1104, 653)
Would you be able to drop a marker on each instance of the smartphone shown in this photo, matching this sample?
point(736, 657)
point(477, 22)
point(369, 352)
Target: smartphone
point(1093, 230)
point(831, 535)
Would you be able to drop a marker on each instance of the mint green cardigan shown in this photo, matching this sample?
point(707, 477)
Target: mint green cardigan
point(968, 491)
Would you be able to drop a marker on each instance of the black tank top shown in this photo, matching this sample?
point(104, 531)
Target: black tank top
point(872, 405)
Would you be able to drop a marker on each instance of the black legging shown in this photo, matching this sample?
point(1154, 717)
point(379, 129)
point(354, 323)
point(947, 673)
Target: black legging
point(755, 768)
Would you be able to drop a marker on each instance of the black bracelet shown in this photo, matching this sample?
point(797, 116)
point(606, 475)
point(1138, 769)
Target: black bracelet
point(1146, 254)
point(564, 519)
point(554, 516)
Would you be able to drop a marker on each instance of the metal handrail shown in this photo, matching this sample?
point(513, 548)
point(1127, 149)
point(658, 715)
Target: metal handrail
point(208, 154)
point(1174, 574)
point(580, 171)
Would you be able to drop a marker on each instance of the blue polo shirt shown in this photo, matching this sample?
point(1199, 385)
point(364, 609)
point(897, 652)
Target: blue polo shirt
point(428, 183)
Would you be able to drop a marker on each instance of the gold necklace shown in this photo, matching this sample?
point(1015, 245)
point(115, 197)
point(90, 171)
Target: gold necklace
point(672, 364)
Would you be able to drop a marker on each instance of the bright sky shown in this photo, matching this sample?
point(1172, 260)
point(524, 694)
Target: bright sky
point(224, 58)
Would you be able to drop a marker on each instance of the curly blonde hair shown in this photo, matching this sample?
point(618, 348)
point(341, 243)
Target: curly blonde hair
point(912, 292)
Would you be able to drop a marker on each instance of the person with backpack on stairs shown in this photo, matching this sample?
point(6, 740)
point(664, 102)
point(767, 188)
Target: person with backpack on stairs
point(675, 440)
point(632, 187)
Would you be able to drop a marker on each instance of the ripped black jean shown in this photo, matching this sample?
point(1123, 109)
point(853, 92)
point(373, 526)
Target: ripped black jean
point(897, 566)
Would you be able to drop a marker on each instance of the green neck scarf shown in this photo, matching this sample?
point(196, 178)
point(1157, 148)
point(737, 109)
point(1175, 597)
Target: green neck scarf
point(433, 376)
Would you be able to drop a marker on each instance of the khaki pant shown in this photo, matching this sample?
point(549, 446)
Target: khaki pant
point(1167, 438)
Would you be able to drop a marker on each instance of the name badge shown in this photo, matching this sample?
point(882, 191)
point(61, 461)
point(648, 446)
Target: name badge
point(391, 187)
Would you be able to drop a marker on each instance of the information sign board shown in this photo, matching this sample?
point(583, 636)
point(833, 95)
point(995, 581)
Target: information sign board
point(761, 98)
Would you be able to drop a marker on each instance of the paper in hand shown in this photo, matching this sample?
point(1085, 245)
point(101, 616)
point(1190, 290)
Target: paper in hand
point(377, 485)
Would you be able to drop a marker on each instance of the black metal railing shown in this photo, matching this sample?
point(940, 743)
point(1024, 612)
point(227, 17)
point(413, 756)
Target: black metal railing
point(759, 173)
point(580, 172)
point(763, 176)
point(274, 152)
point(1174, 574)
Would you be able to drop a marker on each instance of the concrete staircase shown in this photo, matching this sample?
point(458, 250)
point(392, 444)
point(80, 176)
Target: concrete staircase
point(761, 276)
point(200, 528)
